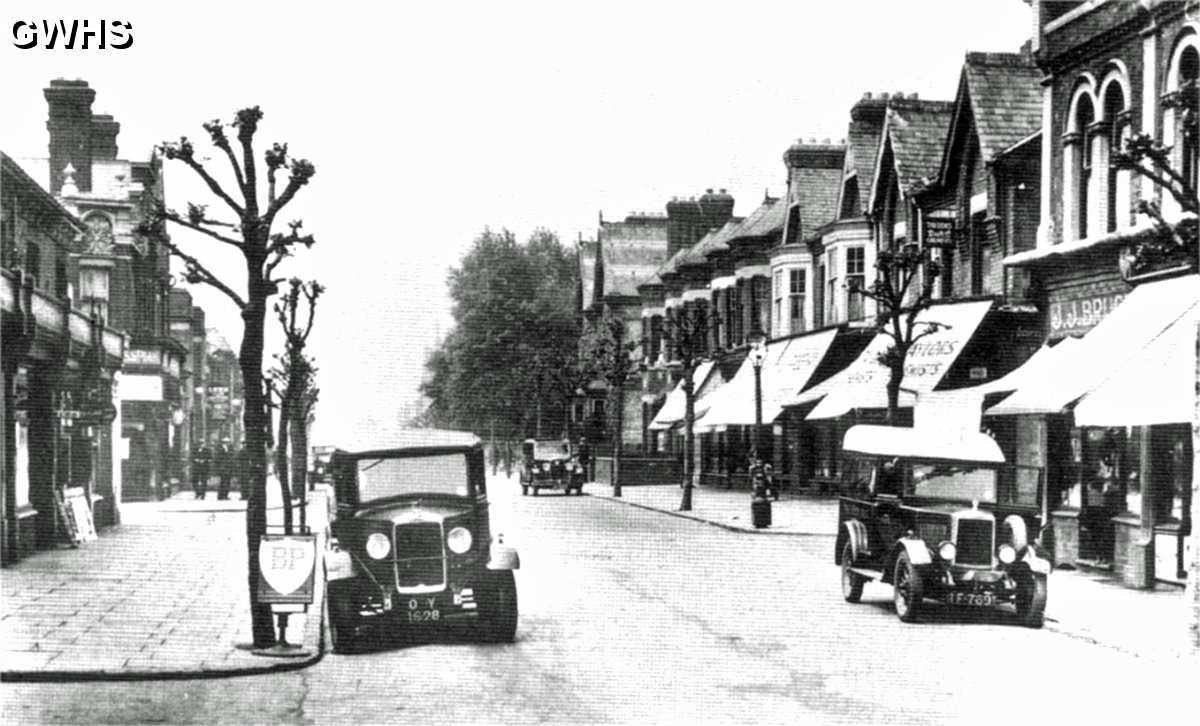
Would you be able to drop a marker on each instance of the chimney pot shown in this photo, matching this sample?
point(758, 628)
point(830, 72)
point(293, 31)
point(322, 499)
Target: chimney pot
point(884, 96)
point(867, 96)
point(723, 190)
point(708, 191)
point(898, 94)
point(825, 140)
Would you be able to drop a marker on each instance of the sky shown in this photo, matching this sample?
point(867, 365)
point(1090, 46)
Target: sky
point(429, 122)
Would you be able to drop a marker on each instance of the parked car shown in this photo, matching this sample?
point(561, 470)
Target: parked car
point(940, 519)
point(412, 541)
point(550, 465)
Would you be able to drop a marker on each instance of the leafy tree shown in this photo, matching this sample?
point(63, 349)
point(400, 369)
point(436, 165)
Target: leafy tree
point(902, 288)
point(513, 328)
point(262, 250)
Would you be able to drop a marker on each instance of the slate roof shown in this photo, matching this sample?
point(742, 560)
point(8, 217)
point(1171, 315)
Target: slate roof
point(631, 252)
point(916, 131)
point(862, 145)
point(766, 220)
point(819, 190)
point(1005, 95)
point(720, 241)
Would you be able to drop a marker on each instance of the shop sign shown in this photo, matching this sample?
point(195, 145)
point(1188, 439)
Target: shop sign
point(286, 564)
point(1080, 314)
point(142, 357)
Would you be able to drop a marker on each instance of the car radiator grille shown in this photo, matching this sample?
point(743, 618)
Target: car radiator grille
point(974, 542)
point(419, 555)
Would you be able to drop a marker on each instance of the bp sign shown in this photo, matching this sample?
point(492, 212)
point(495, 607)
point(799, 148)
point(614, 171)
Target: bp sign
point(287, 564)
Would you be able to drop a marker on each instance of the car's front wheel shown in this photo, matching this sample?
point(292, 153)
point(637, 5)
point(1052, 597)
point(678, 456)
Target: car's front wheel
point(498, 607)
point(1031, 599)
point(852, 582)
point(909, 589)
point(342, 621)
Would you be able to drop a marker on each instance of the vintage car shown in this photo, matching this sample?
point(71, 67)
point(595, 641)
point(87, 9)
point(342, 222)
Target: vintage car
point(942, 520)
point(412, 545)
point(550, 465)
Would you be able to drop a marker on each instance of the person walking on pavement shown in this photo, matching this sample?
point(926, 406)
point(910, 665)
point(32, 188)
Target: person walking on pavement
point(200, 465)
point(224, 463)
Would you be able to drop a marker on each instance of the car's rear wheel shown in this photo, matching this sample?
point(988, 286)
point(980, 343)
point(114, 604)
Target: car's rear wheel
point(498, 607)
point(1031, 599)
point(908, 589)
point(852, 582)
point(524, 490)
point(535, 491)
point(342, 621)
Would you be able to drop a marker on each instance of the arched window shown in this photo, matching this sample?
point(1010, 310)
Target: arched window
point(1189, 78)
point(1181, 126)
point(1078, 149)
point(1116, 181)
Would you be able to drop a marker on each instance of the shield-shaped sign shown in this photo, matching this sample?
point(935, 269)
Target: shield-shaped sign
point(287, 564)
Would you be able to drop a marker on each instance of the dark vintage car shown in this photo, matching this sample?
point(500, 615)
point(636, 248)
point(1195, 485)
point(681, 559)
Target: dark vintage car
point(939, 519)
point(412, 543)
point(550, 465)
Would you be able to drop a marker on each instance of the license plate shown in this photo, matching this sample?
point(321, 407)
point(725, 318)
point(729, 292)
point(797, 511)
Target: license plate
point(422, 610)
point(972, 599)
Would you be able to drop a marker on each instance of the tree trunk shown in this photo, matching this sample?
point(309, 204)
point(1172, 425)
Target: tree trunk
point(298, 431)
point(689, 444)
point(537, 425)
point(895, 377)
point(281, 462)
point(257, 423)
point(1193, 578)
point(617, 440)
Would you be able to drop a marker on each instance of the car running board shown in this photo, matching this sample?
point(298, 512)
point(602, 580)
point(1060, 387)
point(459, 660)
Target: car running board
point(868, 573)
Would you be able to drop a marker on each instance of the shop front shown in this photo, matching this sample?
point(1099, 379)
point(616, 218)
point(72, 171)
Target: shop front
point(1108, 419)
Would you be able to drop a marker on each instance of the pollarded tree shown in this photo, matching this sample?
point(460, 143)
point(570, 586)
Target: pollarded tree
point(685, 335)
point(609, 352)
point(298, 375)
point(902, 289)
point(246, 225)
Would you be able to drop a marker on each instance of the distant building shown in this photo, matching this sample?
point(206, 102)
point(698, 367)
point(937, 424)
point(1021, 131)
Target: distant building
point(223, 394)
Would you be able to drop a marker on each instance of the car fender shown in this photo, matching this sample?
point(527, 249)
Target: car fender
point(854, 532)
point(339, 565)
point(918, 554)
point(502, 557)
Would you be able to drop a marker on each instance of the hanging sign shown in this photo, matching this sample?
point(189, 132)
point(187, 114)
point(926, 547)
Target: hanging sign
point(286, 564)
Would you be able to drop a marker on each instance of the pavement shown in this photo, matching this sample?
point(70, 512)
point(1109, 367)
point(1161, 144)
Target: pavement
point(1082, 604)
point(160, 596)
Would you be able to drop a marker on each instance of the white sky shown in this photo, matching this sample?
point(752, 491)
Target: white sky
point(428, 122)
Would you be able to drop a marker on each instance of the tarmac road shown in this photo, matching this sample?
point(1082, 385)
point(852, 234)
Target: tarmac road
point(633, 616)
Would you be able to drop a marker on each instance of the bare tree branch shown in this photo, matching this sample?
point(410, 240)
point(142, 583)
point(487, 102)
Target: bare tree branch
point(184, 222)
point(185, 152)
point(197, 273)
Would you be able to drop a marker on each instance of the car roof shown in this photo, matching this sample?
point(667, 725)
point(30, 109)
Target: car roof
point(411, 441)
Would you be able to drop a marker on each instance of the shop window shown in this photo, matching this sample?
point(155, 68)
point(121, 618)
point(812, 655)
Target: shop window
point(796, 292)
point(760, 309)
point(856, 269)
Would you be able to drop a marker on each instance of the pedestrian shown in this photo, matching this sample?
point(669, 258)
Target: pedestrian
point(201, 460)
point(224, 465)
point(585, 458)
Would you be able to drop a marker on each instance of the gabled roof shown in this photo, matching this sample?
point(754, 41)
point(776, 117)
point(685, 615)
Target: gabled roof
point(719, 242)
point(631, 252)
point(764, 221)
point(915, 131)
point(862, 144)
point(1002, 92)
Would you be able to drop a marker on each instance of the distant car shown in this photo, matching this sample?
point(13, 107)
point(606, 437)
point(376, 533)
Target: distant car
point(924, 516)
point(413, 546)
point(550, 465)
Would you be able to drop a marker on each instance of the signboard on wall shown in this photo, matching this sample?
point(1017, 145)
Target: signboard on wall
point(136, 387)
point(1076, 310)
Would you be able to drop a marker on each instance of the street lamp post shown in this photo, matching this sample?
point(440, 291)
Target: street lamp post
point(760, 504)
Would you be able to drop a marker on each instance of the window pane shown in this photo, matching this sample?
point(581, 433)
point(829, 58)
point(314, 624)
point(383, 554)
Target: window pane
point(445, 474)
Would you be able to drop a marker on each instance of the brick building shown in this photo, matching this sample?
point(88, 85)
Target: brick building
point(58, 418)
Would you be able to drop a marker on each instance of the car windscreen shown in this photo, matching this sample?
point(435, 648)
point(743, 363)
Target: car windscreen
point(962, 482)
point(550, 452)
point(437, 474)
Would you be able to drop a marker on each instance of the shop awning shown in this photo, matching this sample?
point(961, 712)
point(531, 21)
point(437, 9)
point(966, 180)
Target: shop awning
point(786, 368)
point(1143, 315)
point(923, 443)
point(674, 409)
point(1156, 386)
point(863, 384)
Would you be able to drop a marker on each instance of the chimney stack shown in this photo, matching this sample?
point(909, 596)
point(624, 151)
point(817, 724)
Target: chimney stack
point(70, 125)
point(104, 137)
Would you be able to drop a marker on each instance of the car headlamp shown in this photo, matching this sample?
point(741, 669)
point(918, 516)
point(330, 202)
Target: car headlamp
point(947, 551)
point(1007, 554)
point(459, 540)
point(545, 467)
point(378, 545)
